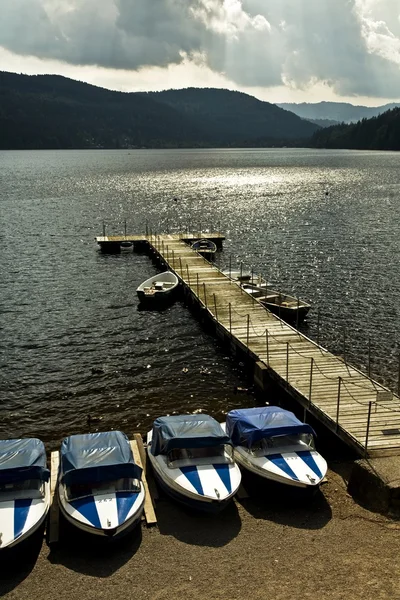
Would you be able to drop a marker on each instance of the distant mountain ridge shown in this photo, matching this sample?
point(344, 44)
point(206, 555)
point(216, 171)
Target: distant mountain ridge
point(341, 112)
point(51, 111)
point(378, 133)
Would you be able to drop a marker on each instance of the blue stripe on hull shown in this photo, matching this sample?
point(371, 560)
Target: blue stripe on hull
point(192, 475)
point(87, 508)
point(201, 505)
point(125, 501)
point(224, 474)
point(310, 462)
point(280, 462)
point(21, 510)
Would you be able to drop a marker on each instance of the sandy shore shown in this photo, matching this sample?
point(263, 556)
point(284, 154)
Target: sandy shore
point(326, 548)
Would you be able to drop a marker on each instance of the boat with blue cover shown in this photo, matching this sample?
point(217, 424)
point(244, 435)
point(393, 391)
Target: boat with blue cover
point(99, 488)
point(24, 489)
point(271, 442)
point(192, 458)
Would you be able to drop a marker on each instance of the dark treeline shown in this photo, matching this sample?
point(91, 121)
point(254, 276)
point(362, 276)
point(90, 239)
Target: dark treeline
point(50, 111)
point(378, 133)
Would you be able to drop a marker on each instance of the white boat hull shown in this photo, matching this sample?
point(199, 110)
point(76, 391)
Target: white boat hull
point(107, 515)
point(301, 468)
point(20, 518)
point(207, 487)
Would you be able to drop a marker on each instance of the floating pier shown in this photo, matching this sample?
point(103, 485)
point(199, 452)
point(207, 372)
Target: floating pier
point(361, 412)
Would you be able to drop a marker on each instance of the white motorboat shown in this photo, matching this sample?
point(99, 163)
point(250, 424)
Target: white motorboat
point(272, 443)
point(24, 489)
point(192, 459)
point(159, 289)
point(99, 488)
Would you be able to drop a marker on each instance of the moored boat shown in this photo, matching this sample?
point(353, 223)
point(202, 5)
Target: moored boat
point(272, 443)
point(99, 488)
point(159, 289)
point(206, 248)
point(192, 459)
point(287, 307)
point(24, 489)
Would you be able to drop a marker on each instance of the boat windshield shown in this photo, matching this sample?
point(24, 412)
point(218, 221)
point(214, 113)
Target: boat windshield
point(83, 490)
point(185, 457)
point(283, 443)
point(17, 490)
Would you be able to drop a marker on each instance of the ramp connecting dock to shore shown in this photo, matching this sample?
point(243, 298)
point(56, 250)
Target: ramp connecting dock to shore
point(360, 411)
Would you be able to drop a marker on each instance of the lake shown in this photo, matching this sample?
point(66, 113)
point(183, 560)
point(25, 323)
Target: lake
point(324, 225)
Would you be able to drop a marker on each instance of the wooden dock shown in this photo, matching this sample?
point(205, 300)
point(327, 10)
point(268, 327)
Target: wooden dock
point(360, 411)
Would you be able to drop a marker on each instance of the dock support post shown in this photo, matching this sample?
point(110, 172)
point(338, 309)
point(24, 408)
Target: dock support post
point(187, 271)
point(297, 315)
point(180, 265)
point(311, 374)
point(197, 282)
point(338, 403)
point(287, 362)
point(230, 267)
point(173, 259)
point(215, 307)
point(205, 295)
point(168, 254)
point(230, 318)
point(248, 332)
point(267, 345)
point(367, 432)
point(318, 322)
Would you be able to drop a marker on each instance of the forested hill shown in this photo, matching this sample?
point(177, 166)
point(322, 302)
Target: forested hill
point(50, 111)
point(378, 133)
point(230, 113)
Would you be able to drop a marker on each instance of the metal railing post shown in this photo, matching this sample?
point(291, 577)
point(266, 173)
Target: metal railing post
point(311, 374)
point(168, 253)
point(215, 307)
point(344, 344)
point(147, 228)
point(230, 266)
point(398, 379)
point(367, 432)
point(248, 332)
point(267, 345)
point(369, 356)
point(298, 310)
point(187, 271)
point(338, 403)
point(318, 323)
point(104, 229)
point(180, 265)
point(287, 362)
point(205, 295)
point(197, 283)
point(230, 318)
point(173, 259)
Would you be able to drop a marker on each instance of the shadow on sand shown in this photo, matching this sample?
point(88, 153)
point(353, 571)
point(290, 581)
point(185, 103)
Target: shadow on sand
point(295, 507)
point(196, 528)
point(17, 563)
point(91, 554)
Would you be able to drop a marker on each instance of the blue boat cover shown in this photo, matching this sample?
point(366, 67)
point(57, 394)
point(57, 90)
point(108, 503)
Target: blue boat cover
point(186, 431)
point(22, 459)
point(97, 457)
point(250, 425)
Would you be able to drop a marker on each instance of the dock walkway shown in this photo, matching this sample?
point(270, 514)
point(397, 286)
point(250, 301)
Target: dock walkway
point(363, 413)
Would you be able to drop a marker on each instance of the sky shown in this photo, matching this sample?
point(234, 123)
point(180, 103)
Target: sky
point(276, 50)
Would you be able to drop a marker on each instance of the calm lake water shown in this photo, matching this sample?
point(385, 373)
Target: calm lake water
point(66, 308)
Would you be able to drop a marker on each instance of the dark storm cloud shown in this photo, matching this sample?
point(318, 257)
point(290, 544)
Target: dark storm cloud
point(351, 44)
